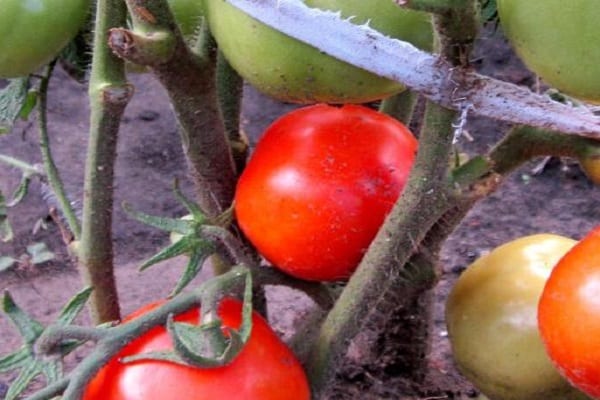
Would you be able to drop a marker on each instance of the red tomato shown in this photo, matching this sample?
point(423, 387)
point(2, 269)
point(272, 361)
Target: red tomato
point(569, 315)
point(319, 185)
point(265, 369)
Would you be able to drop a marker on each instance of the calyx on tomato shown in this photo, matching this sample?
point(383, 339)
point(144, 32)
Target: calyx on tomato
point(491, 315)
point(292, 71)
point(265, 369)
point(32, 33)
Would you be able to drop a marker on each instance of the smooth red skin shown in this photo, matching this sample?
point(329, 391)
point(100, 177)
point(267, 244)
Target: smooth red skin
point(319, 185)
point(265, 369)
point(569, 315)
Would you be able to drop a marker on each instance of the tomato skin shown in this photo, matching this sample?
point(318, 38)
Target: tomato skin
point(557, 40)
point(265, 369)
point(569, 315)
point(319, 185)
point(491, 315)
point(32, 33)
point(291, 71)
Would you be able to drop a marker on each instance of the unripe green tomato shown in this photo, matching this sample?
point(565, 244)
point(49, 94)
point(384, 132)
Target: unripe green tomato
point(558, 40)
point(292, 71)
point(491, 316)
point(33, 32)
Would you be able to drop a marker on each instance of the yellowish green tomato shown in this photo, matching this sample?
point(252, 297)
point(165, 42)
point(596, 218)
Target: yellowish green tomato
point(292, 71)
point(558, 40)
point(491, 316)
point(33, 32)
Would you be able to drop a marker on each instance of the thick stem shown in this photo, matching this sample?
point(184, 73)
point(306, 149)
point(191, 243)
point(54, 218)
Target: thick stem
point(424, 200)
point(190, 81)
point(109, 94)
point(52, 173)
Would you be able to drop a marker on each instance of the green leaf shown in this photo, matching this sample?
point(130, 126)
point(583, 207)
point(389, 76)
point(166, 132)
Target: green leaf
point(21, 191)
point(489, 11)
point(39, 253)
point(13, 98)
point(74, 306)
point(6, 232)
point(6, 263)
point(29, 328)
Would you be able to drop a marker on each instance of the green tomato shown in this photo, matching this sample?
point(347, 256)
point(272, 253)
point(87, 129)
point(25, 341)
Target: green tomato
point(292, 71)
point(33, 32)
point(558, 40)
point(187, 13)
point(491, 316)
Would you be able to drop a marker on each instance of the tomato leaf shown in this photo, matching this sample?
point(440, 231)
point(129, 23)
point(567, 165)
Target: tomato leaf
point(6, 263)
point(6, 232)
point(39, 253)
point(13, 99)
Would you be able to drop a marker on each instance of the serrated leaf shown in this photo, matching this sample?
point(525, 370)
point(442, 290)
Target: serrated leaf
point(6, 263)
point(12, 99)
point(29, 328)
point(39, 253)
point(74, 306)
point(20, 192)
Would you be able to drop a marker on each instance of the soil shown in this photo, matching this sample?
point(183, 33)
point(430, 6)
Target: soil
point(559, 199)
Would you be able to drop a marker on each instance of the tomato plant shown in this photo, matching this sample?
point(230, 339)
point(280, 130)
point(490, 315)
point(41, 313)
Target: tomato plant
point(557, 40)
point(569, 314)
point(289, 70)
point(264, 370)
point(491, 316)
point(33, 32)
point(319, 185)
point(591, 167)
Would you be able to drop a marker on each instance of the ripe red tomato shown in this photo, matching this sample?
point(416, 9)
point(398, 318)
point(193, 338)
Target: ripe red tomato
point(319, 185)
point(569, 315)
point(265, 369)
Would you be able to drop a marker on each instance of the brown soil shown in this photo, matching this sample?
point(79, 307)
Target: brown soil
point(558, 200)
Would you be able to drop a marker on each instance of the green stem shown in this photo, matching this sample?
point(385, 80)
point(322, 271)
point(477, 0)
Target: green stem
point(433, 6)
point(230, 86)
point(109, 94)
point(424, 200)
point(400, 106)
point(26, 168)
point(52, 173)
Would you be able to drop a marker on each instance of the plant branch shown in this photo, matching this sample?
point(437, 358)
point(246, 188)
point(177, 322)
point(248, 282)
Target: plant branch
point(424, 200)
point(52, 173)
point(441, 82)
point(190, 81)
point(109, 94)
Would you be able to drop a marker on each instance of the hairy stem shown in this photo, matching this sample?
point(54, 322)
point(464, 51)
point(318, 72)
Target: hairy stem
point(52, 173)
point(109, 94)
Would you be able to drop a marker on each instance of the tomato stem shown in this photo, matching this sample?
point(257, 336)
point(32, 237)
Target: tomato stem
point(109, 93)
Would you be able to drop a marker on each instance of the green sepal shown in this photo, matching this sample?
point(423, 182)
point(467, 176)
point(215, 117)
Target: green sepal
point(489, 11)
point(29, 328)
point(197, 257)
point(14, 360)
point(21, 191)
point(198, 215)
point(181, 226)
point(75, 305)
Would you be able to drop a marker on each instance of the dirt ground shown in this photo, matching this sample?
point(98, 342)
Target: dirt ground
point(558, 200)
